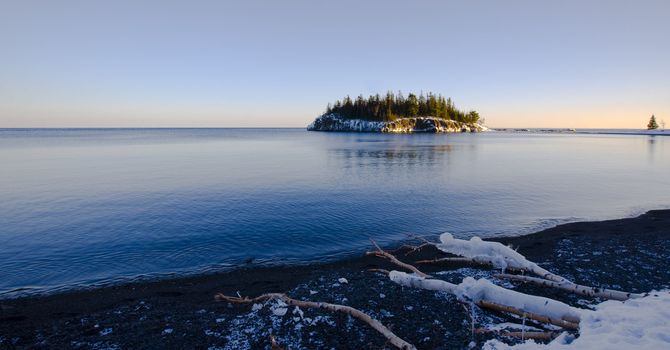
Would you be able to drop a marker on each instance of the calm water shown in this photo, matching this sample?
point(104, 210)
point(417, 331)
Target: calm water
point(83, 207)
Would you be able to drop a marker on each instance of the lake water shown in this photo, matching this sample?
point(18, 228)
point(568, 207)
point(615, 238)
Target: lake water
point(84, 207)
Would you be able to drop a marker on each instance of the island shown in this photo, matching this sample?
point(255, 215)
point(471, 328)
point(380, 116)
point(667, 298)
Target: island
point(395, 113)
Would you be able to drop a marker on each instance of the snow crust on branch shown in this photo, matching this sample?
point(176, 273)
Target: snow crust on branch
point(640, 323)
point(494, 253)
point(472, 290)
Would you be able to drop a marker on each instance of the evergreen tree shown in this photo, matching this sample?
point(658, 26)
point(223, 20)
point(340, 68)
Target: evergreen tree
point(652, 123)
point(392, 106)
point(412, 105)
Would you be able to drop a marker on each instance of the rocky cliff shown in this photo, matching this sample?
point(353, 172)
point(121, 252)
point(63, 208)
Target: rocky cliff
point(333, 122)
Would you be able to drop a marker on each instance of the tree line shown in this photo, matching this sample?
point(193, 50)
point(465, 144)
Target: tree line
point(393, 106)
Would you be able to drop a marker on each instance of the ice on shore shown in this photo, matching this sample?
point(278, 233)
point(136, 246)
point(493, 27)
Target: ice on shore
point(642, 323)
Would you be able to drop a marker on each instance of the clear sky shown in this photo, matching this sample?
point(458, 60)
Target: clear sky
point(278, 63)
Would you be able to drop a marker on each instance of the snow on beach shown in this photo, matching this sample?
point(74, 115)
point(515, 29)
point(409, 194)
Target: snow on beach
point(627, 254)
point(642, 323)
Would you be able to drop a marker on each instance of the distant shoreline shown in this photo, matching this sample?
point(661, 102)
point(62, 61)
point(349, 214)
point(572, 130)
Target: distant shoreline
point(639, 132)
point(665, 132)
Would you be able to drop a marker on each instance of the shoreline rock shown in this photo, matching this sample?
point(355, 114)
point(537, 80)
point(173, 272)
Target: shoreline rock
point(333, 122)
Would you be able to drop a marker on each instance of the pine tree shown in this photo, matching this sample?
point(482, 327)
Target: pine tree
point(412, 105)
point(652, 123)
point(392, 106)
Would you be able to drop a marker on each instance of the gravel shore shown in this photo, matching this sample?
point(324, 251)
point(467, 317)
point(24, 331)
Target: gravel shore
point(627, 254)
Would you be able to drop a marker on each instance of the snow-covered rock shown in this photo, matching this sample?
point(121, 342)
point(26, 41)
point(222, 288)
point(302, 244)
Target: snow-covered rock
point(333, 122)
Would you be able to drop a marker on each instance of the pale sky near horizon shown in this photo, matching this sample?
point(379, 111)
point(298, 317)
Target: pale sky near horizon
point(581, 64)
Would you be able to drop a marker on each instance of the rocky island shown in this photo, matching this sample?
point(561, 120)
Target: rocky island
point(396, 114)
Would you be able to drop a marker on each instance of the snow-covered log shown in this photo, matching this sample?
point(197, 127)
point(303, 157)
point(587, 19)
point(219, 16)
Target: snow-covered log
point(487, 294)
point(493, 253)
point(529, 315)
point(503, 257)
point(378, 326)
point(573, 288)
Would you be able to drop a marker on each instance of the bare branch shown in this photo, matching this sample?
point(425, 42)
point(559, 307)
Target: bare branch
point(567, 324)
point(382, 254)
point(378, 326)
point(536, 335)
point(458, 260)
point(572, 287)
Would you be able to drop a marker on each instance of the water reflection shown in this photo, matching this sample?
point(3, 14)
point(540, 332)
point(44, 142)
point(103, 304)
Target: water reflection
point(651, 148)
point(394, 155)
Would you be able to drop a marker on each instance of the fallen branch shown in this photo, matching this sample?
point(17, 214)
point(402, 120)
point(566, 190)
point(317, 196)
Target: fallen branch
point(378, 326)
point(382, 254)
point(459, 260)
point(535, 335)
point(494, 253)
point(487, 295)
point(533, 316)
point(500, 256)
point(410, 249)
point(572, 287)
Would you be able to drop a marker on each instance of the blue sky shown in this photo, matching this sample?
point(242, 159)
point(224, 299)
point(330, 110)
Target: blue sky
point(278, 63)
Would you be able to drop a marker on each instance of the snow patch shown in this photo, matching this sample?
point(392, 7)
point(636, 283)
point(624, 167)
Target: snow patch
point(278, 308)
point(642, 323)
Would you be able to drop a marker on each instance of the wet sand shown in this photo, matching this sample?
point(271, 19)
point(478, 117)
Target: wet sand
point(629, 254)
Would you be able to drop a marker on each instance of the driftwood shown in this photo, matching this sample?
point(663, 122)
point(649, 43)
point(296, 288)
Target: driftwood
point(378, 326)
point(572, 287)
point(383, 254)
point(572, 325)
point(462, 260)
point(546, 278)
point(410, 249)
point(567, 322)
point(469, 292)
point(535, 335)
point(439, 285)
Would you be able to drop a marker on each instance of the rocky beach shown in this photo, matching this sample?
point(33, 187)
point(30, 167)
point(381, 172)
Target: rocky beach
point(627, 254)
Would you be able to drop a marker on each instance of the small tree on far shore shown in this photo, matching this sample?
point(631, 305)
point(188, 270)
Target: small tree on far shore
point(652, 123)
